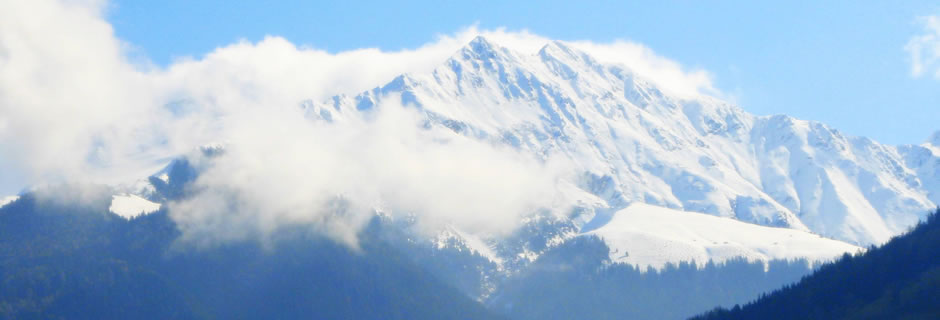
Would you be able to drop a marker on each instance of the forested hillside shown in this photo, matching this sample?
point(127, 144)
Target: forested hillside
point(900, 280)
point(83, 262)
point(577, 281)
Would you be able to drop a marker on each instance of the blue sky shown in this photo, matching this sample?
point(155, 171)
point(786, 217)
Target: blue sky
point(840, 62)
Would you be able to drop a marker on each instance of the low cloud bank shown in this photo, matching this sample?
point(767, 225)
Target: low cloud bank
point(75, 108)
point(282, 170)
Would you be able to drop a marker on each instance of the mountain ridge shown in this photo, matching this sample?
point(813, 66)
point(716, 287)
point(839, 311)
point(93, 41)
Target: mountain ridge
point(899, 280)
point(632, 142)
point(701, 154)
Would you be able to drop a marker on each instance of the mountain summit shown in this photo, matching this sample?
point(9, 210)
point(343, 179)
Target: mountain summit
point(633, 142)
point(675, 203)
point(934, 139)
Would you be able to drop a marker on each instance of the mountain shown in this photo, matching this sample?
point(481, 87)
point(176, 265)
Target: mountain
point(934, 140)
point(675, 199)
point(633, 142)
point(900, 280)
point(81, 260)
point(576, 280)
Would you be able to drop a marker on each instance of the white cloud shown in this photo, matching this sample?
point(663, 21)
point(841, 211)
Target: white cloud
point(75, 108)
point(263, 181)
point(925, 47)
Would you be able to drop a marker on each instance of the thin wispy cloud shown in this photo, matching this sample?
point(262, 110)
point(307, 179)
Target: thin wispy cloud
point(924, 48)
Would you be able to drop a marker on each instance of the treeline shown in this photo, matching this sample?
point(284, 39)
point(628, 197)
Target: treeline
point(899, 280)
point(82, 262)
point(577, 281)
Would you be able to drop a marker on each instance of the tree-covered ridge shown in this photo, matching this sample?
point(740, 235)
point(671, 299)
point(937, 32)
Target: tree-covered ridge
point(67, 260)
point(577, 281)
point(899, 280)
point(82, 262)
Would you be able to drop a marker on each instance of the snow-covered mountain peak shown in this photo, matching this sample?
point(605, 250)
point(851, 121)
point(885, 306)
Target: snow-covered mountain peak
point(485, 52)
point(635, 143)
point(934, 139)
point(632, 144)
point(482, 47)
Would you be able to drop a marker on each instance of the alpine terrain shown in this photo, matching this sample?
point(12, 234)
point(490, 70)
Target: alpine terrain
point(666, 192)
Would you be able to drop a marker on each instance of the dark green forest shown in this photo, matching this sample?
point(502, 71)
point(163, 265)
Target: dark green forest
point(899, 280)
point(74, 262)
point(79, 261)
point(577, 281)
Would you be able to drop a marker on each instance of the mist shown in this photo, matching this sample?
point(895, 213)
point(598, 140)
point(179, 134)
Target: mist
point(280, 169)
point(75, 108)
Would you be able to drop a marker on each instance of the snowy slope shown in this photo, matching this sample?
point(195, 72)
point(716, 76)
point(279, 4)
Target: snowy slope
point(925, 160)
point(647, 235)
point(634, 142)
point(453, 238)
point(934, 140)
point(130, 206)
point(6, 200)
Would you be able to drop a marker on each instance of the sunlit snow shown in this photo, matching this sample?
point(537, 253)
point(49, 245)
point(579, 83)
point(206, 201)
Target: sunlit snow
point(6, 200)
point(633, 141)
point(646, 235)
point(130, 206)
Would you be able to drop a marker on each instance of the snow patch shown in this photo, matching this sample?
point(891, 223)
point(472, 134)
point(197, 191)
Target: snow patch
point(651, 236)
point(7, 200)
point(454, 238)
point(130, 205)
point(478, 246)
